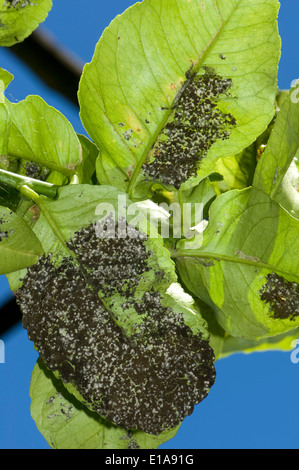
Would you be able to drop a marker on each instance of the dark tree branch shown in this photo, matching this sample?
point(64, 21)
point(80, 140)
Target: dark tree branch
point(61, 72)
point(58, 68)
point(10, 315)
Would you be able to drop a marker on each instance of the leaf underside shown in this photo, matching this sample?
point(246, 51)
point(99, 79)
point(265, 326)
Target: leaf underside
point(18, 18)
point(103, 316)
point(165, 104)
point(61, 418)
point(125, 353)
point(247, 266)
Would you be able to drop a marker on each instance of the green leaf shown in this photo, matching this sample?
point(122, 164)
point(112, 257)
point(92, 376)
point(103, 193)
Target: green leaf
point(174, 85)
point(247, 266)
point(238, 170)
point(9, 197)
point(203, 193)
point(281, 148)
point(287, 194)
point(225, 345)
point(106, 312)
point(18, 18)
point(90, 153)
point(42, 135)
point(19, 247)
point(67, 424)
point(5, 79)
point(281, 342)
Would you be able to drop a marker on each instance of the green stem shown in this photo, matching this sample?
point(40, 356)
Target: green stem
point(17, 181)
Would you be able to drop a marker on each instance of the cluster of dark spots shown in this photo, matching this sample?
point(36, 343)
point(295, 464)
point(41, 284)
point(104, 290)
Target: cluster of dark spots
point(128, 134)
point(116, 263)
point(150, 380)
point(158, 319)
point(132, 444)
point(196, 124)
point(66, 410)
point(35, 171)
point(3, 235)
point(18, 4)
point(282, 295)
point(121, 124)
point(51, 400)
point(206, 263)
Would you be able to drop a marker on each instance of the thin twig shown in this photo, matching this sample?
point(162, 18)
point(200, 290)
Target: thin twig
point(10, 316)
point(55, 65)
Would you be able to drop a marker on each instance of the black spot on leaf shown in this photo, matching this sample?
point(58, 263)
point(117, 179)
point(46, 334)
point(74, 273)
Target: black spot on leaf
point(283, 297)
point(128, 134)
point(196, 124)
point(35, 171)
point(3, 235)
point(149, 380)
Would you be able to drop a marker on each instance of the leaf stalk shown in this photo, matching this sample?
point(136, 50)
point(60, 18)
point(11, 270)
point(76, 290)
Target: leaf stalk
point(17, 181)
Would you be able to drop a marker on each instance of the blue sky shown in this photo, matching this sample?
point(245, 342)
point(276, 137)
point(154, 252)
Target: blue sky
point(255, 401)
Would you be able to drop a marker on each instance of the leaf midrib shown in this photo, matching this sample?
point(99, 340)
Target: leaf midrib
point(193, 254)
point(194, 68)
point(54, 226)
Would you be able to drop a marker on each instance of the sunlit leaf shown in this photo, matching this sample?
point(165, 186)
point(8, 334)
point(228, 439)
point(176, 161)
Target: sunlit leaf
point(42, 136)
point(18, 18)
point(174, 85)
point(19, 247)
point(247, 267)
point(67, 424)
point(106, 312)
point(281, 148)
